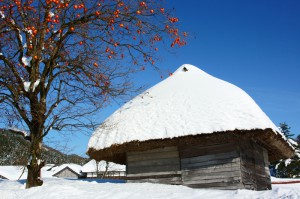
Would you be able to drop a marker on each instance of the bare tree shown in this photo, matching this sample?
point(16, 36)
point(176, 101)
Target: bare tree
point(106, 169)
point(62, 61)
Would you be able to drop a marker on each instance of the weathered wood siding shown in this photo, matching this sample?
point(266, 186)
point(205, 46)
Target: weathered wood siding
point(213, 166)
point(66, 173)
point(157, 166)
point(241, 164)
point(254, 166)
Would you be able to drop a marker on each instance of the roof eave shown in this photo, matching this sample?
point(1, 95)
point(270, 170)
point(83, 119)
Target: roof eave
point(274, 142)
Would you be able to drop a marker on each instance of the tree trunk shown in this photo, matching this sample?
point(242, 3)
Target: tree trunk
point(35, 163)
point(106, 169)
point(97, 169)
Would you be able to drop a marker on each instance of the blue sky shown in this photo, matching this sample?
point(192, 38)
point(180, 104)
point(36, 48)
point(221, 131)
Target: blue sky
point(252, 44)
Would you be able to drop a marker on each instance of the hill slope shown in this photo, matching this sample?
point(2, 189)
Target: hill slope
point(14, 151)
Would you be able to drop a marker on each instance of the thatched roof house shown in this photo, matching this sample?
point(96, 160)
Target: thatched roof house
point(186, 120)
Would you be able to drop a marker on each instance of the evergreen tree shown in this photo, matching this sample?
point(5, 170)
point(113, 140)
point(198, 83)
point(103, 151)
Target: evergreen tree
point(288, 168)
point(298, 140)
point(285, 129)
point(14, 151)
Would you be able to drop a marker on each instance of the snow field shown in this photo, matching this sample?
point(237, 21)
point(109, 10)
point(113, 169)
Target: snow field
point(73, 189)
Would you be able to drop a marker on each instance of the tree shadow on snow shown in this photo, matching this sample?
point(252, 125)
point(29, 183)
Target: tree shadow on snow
point(99, 180)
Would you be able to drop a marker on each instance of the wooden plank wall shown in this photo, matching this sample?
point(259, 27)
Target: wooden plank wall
point(157, 166)
point(233, 165)
point(254, 166)
point(66, 173)
point(214, 166)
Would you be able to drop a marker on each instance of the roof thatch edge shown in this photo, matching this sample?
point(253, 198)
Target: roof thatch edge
point(275, 143)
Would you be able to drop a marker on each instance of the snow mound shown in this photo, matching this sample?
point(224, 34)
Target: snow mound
point(190, 102)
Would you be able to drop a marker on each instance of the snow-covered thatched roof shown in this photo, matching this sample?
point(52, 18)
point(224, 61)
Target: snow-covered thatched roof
point(190, 102)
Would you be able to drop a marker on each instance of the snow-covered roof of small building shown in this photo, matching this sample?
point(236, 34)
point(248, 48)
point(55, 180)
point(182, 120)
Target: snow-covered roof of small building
point(13, 172)
point(190, 102)
point(47, 172)
point(74, 167)
point(91, 166)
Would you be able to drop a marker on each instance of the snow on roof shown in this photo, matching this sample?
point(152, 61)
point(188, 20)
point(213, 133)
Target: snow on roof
point(293, 142)
point(75, 167)
point(92, 167)
point(13, 172)
point(190, 102)
point(47, 172)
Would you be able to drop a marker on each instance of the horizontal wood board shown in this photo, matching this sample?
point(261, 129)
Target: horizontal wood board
point(157, 160)
point(254, 166)
point(221, 166)
point(217, 165)
point(172, 180)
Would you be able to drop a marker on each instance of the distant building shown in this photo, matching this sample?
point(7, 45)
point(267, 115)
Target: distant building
point(13, 172)
point(48, 171)
point(68, 171)
point(195, 130)
point(2, 177)
point(105, 170)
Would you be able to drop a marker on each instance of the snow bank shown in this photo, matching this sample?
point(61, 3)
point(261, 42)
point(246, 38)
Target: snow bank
point(61, 188)
point(190, 102)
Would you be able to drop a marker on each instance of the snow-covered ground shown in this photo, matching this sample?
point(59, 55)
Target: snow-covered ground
point(65, 189)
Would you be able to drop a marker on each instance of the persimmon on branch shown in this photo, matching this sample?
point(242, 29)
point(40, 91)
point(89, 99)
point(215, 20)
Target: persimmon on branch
point(76, 41)
point(62, 61)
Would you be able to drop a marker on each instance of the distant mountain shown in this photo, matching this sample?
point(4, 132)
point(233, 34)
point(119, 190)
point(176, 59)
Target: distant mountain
point(14, 147)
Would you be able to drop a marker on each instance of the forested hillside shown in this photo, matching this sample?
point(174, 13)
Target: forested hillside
point(14, 151)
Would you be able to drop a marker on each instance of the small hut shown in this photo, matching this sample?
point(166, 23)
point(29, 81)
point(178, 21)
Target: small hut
point(192, 129)
point(68, 171)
